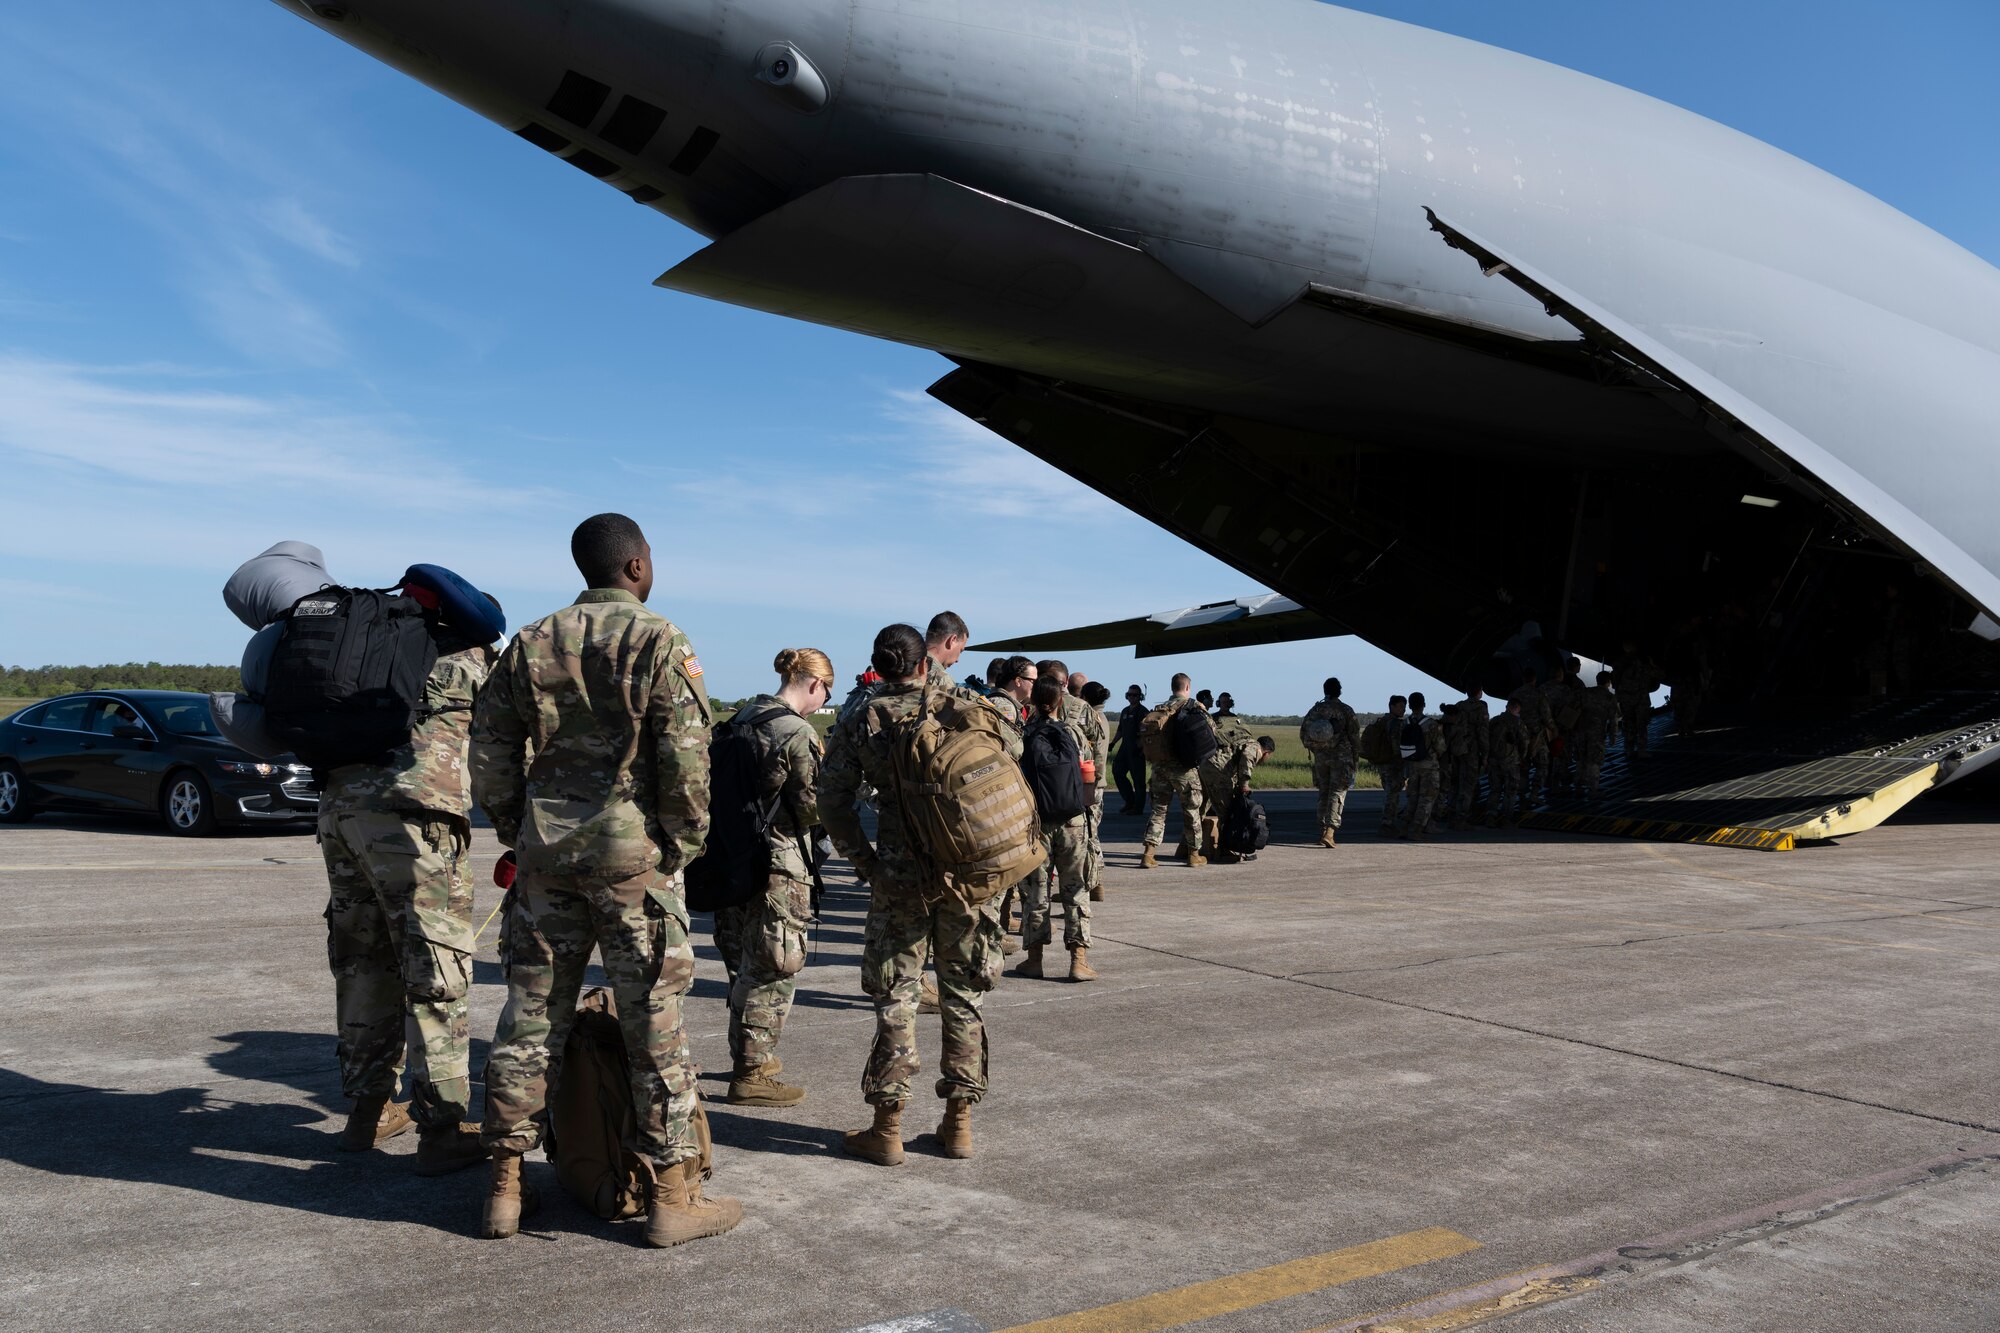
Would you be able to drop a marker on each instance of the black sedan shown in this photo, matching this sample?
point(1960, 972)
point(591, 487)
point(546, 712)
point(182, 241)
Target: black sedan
point(151, 752)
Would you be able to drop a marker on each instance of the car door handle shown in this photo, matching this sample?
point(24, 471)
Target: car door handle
point(87, 745)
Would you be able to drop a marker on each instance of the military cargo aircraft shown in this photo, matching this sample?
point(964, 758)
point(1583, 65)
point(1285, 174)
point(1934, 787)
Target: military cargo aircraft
point(1478, 358)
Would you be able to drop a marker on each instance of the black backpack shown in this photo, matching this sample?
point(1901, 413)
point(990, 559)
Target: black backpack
point(735, 861)
point(347, 677)
point(1049, 760)
point(1190, 735)
point(1245, 830)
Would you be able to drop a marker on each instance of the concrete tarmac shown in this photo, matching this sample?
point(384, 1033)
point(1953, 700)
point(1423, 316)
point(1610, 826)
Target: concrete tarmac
point(1564, 1083)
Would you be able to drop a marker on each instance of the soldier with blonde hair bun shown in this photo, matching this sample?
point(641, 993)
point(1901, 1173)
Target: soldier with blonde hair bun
point(763, 941)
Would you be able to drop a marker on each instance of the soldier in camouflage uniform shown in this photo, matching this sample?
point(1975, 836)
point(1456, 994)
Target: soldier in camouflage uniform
point(399, 923)
point(1095, 696)
point(1067, 842)
point(1507, 752)
point(1332, 735)
point(1636, 676)
point(590, 756)
point(1478, 717)
point(1394, 774)
point(1423, 750)
point(1229, 728)
point(1095, 745)
point(1458, 779)
point(1596, 724)
point(1565, 696)
point(1540, 726)
point(1012, 681)
point(1225, 775)
point(1129, 769)
point(910, 915)
point(764, 939)
point(1172, 780)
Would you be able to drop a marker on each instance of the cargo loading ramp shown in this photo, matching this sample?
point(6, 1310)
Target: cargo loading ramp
point(1775, 785)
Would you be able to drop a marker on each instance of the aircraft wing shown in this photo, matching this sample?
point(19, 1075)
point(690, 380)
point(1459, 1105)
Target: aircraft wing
point(1267, 618)
point(1751, 425)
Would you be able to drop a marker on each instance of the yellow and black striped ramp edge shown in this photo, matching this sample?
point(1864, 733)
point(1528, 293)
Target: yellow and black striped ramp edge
point(1774, 786)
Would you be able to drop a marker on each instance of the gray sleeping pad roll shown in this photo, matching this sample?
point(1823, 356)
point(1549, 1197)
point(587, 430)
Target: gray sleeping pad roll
point(240, 719)
point(257, 659)
point(267, 585)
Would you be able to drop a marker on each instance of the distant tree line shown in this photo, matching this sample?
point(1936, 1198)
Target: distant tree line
point(45, 682)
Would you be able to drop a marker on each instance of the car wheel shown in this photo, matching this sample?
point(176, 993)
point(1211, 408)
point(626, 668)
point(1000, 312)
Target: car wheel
point(187, 804)
point(14, 808)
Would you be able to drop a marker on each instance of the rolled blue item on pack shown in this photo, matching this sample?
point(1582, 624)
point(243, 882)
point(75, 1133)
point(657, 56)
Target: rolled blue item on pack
point(265, 586)
point(460, 605)
point(257, 660)
point(240, 719)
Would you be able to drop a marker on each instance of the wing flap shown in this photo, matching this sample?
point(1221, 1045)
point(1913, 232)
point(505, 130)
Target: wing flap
point(1266, 618)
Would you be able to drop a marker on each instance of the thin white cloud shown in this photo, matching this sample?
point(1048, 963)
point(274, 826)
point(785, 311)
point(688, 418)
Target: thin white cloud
point(290, 220)
point(967, 467)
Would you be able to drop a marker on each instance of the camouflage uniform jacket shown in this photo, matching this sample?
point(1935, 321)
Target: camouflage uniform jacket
point(607, 697)
point(1507, 739)
point(429, 772)
point(1478, 718)
point(1535, 715)
point(1600, 713)
point(1346, 728)
point(858, 751)
point(861, 694)
point(1234, 760)
point(1092, 742)
point(1103, 748)
point(1009, 709)
point(789, 753)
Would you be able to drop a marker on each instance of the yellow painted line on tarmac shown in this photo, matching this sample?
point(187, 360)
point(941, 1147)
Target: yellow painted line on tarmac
point(1260, 1286)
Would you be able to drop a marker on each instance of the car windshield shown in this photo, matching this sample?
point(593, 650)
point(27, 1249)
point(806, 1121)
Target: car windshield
point(189, 718)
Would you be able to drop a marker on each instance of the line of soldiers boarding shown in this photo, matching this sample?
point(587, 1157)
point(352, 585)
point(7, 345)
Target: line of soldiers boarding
point(586, 743)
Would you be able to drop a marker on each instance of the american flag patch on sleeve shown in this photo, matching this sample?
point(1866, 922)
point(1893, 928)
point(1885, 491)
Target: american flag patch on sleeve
point(691, 665)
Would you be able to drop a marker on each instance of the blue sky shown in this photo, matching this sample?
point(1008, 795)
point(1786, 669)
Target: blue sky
point(254, 286)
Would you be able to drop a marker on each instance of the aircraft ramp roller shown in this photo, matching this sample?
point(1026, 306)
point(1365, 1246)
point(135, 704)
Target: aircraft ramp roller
point(1772, 787)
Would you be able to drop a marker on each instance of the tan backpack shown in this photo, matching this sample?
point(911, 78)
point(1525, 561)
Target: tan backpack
point(591, 1126)
point(1376, 746)
point(1154, 742)
point(966, 804)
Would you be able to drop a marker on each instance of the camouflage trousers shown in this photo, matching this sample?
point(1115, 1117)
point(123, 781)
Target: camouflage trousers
point(1503, 790)
point(1424, 780)
point(1167, 784)
point(639, 928)
point(902, 930)
point(1635, 720)
point(1394, 779)
point(1589, 763)
point(399, 943)
point(1462, 791)
point(768, 935)
point(1094, 818)
point(1535, 773)
point(1333, 776)
point(1068, 846)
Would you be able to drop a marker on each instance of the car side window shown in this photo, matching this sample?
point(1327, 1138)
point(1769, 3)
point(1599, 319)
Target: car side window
point(66, 714)
point(105, 716)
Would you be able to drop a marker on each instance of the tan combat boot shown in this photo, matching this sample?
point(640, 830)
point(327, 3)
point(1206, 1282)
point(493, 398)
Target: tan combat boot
point(1097, 893)
point(373, 1122)
point(1146, 859)
point(757, 1085)
point(1031, 966)
point(679, 1214)
point(927, 997)
point(954, 1132)
point(882, 1142)
point(509, 1200)
point(1196, 859)
point(1326, 838)
point(448, 1148)
point(1079, 965)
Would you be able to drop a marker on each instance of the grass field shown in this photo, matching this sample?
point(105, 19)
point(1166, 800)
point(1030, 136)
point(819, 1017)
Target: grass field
point(8, 707)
